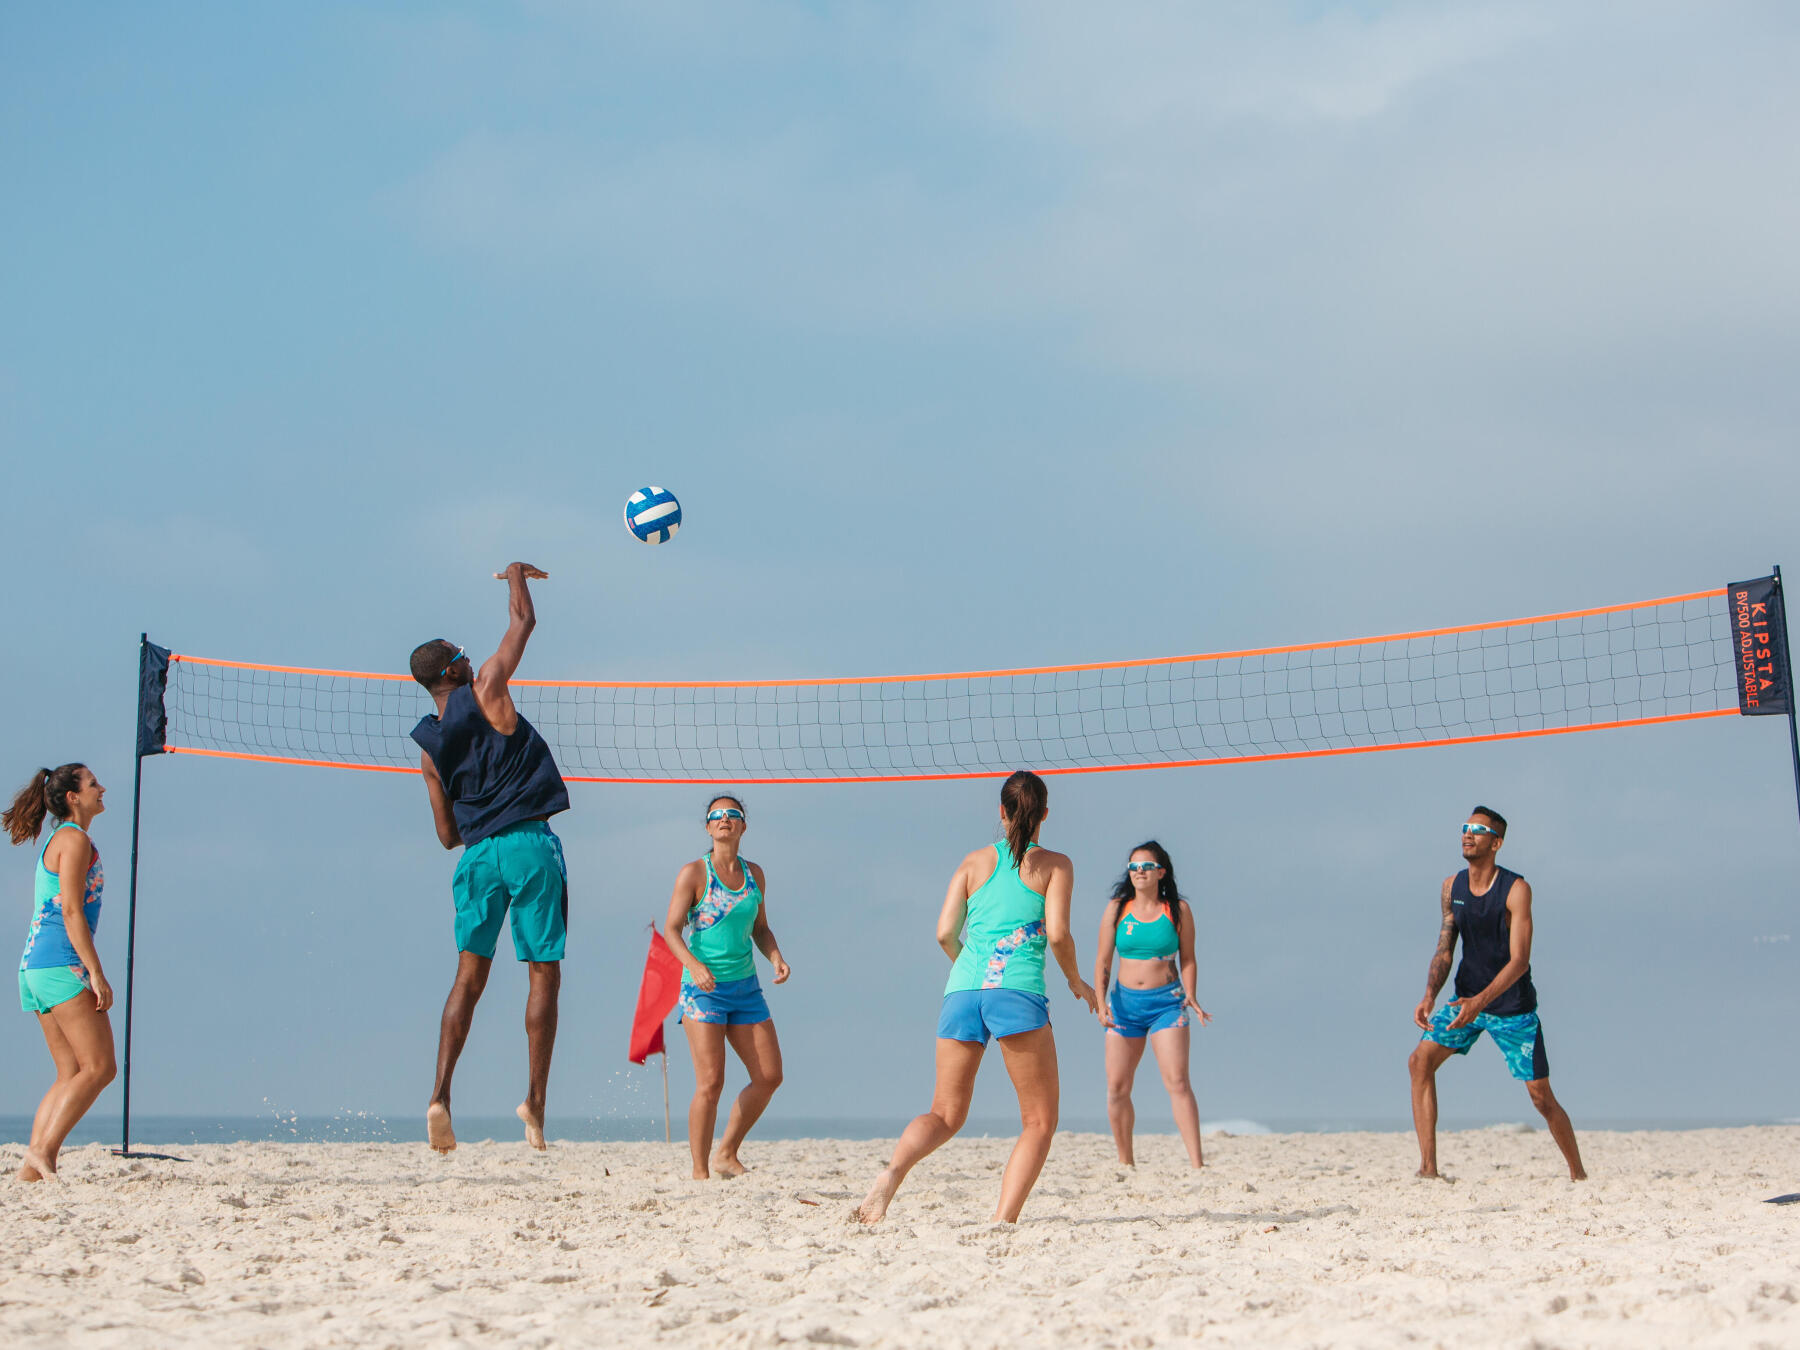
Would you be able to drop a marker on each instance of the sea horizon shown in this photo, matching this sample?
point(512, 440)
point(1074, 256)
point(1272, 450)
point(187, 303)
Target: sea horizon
point(155, 1130)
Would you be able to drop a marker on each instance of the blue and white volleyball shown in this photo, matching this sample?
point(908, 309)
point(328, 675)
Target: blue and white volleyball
point(653, 515)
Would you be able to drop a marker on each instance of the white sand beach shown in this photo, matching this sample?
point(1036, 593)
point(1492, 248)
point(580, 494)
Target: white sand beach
point(1290, 1240)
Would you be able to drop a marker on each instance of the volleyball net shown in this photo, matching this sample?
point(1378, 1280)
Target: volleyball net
point(1677, 658)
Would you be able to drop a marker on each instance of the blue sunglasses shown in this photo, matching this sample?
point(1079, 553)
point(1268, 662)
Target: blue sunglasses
point(726, 813)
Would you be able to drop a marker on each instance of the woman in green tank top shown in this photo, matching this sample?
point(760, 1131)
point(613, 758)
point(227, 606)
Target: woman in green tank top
point(1150, 928)
point(1007, 904)
point(721, 899)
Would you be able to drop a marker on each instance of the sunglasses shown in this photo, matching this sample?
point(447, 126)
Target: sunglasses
point(727, 813)
point(1142, 867)
point(1480, 829)
point(460, 653)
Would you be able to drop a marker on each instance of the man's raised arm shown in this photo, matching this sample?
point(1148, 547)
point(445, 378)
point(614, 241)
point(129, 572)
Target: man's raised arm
point(491, 682)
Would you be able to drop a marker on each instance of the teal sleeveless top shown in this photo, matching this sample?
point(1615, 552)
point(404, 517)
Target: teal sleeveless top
point(47, 943)
point(1136, 940)
point(719, 926)
point(1003, 933)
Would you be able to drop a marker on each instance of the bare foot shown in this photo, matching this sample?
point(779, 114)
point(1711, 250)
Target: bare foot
point(1429, 1174)
point(727, 1166)
point(38, 1163)
point(534, 1127)
point(27, 1172)
point(1577, 1174)
point(437, 1128)
point(874, 1207)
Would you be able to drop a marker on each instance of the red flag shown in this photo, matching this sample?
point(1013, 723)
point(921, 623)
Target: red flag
point(656, 1000)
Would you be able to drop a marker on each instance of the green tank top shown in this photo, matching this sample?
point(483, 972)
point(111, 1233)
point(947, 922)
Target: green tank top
point(719, 926)
point(1003, 933)
point(1136, 940)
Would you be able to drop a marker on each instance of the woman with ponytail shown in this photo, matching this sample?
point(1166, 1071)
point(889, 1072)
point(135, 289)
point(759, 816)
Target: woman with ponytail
point(1151, 929)
point(59, 973)
point(1006, 904)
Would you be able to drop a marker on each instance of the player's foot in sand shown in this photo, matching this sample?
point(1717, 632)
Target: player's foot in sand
point(437, 1128)
point(727, 1165)
point(1577, 1174)
point(534, 1127)
point(874, 1207)
point(1429, 1174)
point(36, 1167)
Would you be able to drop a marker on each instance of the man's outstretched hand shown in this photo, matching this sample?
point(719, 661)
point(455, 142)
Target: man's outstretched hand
point(524, 571)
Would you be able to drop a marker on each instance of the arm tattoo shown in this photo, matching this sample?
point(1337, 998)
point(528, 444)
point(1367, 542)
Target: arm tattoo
point(1440, 960)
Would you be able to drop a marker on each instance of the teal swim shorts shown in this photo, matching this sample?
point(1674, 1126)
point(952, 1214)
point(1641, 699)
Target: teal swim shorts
point(42, 990)
point(520, 869)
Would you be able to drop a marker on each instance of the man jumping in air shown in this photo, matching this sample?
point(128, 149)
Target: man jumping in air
point(1490, 909)
point(493, 786)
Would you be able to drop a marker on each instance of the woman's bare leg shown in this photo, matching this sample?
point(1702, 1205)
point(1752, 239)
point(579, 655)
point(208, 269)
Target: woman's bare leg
point(1122, 1056)
point(706, 1043)
point(63, 1054)
point(1031, 1064)
point(1171, 1050)
point(758, 1047)
point(957, 1063)
point(88, 1033)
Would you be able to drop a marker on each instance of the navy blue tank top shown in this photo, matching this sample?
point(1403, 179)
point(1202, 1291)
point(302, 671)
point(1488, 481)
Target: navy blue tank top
point(1486, 931)
point(493, 781)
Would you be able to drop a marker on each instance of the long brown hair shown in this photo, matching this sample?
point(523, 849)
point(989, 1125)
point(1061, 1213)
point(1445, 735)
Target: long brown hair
point(46, 794)
point(1166, 890)
point(1025, 799)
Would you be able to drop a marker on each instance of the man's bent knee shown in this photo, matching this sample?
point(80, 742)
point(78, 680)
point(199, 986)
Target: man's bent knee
point(1541, 1096)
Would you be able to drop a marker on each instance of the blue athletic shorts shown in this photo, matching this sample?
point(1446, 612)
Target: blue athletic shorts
point(976, 1014)
point(1137, 1013)
point(520, 869)
point(1521, 1039)
point(732, 1003)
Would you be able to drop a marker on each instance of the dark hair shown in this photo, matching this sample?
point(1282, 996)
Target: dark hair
point(731, 797)
point(1493, 815)
point(46, 794)
point(430, 659)
point(1166, 890)
point(1025, 799)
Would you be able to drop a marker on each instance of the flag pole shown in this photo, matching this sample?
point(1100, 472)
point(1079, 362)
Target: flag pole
point(668, 1138)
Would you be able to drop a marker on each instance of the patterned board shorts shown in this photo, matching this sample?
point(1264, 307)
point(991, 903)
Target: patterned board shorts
point(1520, 1038)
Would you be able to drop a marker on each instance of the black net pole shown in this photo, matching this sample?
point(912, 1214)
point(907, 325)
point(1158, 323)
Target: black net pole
point(1793, 729)
point(137, 786)
point(152, 731)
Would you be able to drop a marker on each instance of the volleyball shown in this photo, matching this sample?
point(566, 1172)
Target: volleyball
point(653, 515)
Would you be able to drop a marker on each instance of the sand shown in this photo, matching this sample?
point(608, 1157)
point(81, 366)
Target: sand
point(1288, 1240)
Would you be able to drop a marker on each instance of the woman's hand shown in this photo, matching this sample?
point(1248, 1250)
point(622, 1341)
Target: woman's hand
point(781, 968)
point(702, 977)
point(103, 994)
point(1085, 992)
point(1200, 1014)
point(1104, 1011)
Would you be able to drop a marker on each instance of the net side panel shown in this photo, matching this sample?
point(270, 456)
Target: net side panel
point(1658, 661)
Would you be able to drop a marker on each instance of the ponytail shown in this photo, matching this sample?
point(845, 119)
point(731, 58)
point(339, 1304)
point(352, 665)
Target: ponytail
point(1025, 800)
point(47, 793)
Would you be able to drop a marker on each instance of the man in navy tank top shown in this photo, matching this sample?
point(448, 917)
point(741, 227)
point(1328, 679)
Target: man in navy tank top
point(493, 787)
point(1489, 908)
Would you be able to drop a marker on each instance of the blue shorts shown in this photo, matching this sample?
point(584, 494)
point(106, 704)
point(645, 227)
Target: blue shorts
point(521, 870)
point(1520, 1038)
point(976, 1014)
point(1137, 1013)
point(732, 1003)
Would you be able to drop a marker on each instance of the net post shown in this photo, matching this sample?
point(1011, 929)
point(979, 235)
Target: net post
point(1793, 728)
point(152, 726)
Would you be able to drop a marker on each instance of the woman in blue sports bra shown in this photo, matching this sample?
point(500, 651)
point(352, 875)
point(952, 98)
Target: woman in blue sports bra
point(1008, 904)
point(59, 972)
point(1151, 928)
point(721, 900)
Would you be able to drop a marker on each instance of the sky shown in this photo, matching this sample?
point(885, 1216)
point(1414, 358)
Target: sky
point(970, 336)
